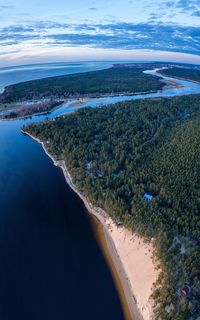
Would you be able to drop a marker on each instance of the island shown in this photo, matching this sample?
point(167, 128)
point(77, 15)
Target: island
point(136, 166)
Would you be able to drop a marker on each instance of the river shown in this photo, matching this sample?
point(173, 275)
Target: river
point(50, 264)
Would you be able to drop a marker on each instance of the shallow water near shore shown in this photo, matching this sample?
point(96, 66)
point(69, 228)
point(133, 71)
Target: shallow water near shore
point(51, 265)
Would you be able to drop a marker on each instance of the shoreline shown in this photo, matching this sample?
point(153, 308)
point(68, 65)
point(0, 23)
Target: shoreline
point(133, 274)
point(87, 97)
point(82, 100)
point(180, 78)
point(34, 114)
point(78, 101)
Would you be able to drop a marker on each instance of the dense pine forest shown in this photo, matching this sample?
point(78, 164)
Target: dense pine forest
point(115, 80)
point(116, 154)
point(183, 72)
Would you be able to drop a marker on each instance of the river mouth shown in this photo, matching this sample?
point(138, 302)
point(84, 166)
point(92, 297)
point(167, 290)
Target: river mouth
point(174, 87)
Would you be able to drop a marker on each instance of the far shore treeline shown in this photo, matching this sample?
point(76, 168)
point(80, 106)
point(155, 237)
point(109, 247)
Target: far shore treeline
point(115, 80)
point(192, 74)
point(42, 95)
point(116, 154)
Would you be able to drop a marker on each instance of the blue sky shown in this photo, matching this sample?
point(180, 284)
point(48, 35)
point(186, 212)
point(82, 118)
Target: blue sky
point(63, 30)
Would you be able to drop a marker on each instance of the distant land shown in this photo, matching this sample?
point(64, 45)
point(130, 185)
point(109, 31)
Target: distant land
point(43, 95)
point(184, 72)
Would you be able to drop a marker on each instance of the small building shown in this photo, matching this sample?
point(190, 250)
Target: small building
point(169, 308)
point(185, 291)
point(89, 166)
point(194, 310)
point(148, 197)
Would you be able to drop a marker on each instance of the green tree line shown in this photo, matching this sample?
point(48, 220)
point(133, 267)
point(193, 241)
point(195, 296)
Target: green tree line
point(115, 80)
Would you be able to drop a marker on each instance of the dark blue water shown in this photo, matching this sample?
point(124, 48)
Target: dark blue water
point(10, 75)
point(50, 264)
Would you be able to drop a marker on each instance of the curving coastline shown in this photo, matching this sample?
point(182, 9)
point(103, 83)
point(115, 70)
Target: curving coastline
point(129, 258)
point(81, 99)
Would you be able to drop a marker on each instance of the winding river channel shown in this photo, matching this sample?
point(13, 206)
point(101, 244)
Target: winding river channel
point(50, 264)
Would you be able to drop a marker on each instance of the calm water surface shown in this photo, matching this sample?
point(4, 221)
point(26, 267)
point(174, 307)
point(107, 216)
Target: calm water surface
point(10, 75)
point(50, 264)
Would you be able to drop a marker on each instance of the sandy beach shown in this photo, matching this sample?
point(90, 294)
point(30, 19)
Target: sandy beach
point(136, 258)
point(131, 257)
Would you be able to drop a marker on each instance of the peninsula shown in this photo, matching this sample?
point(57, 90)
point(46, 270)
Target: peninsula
point(136, 164)
point(39, 96)
point(183, 72)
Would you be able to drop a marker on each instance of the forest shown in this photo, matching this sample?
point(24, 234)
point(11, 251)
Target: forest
point(183, 72)
point(118, 153)
point(116, 80)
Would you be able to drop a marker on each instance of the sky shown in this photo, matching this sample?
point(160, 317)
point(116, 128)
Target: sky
point(62, 30)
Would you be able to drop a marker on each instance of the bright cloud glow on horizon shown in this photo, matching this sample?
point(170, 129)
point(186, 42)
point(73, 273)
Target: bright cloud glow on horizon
point(89, 54)
point(46, 31)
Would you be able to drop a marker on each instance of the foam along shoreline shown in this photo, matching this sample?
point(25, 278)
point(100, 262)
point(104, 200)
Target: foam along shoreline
point(130, 257)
